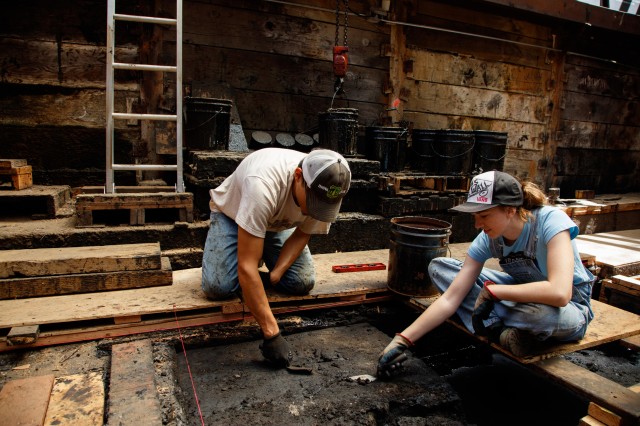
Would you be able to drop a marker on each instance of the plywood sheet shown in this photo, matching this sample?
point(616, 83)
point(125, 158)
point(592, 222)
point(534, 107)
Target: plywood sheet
point(77, 399)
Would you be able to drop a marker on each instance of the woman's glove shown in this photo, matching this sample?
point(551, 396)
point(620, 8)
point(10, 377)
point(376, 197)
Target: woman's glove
point(393, 355)
point(276, 350)
point(482, 309)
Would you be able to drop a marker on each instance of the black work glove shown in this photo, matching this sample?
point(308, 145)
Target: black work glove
point(482, 309)
point(276, 351)
point(393, 356)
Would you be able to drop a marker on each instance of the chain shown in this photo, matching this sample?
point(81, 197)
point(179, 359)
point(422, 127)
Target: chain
point(346, 21)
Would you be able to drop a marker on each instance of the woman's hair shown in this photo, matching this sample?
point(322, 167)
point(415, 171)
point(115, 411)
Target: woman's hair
point(533, 197)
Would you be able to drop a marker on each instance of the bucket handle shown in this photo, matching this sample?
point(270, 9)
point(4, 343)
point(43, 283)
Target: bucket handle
point(458, 155)
point(492, 159)
point(414, 152)
point(202, 124)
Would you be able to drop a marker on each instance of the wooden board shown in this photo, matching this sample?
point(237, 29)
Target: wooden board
point(79, 260)
point(133, 397)
point(25, 401)
point(77, 399)
point(617, 253)
point(6, 163)
point(185, 294)
point(606, 393)
point(609, 324)
point(55, 285)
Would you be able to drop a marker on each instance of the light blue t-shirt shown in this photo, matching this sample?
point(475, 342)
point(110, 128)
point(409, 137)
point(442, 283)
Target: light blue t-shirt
point(550, 222)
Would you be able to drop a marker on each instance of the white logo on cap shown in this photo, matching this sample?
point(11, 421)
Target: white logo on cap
point(481, 190)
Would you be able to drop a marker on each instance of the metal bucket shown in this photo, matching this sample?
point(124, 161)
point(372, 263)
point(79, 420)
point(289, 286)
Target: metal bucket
point(489, 151)
point(338, 130)
point(388, 145)
point(415, 242)
point(206, 123)
point(423, 158)
point(454, 149)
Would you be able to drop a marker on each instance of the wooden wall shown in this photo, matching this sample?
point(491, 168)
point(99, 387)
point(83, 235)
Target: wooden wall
point(571, 114)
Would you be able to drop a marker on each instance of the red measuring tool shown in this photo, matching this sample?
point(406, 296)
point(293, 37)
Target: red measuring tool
point(357, 267)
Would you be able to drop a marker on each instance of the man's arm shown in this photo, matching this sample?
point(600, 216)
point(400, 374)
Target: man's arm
point(288, 254)
point(249, 254)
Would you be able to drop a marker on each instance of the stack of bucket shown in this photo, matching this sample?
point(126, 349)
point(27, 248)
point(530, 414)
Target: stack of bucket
point(457, 152)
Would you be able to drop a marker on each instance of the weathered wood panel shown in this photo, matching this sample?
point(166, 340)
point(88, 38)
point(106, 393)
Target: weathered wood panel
point(42, 62)
point(61, 107)
point(446, 68)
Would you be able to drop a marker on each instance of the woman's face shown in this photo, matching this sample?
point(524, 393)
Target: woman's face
point(494, 221)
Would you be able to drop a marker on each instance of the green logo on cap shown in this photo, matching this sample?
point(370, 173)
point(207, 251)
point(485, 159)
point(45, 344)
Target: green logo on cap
point(334, 191)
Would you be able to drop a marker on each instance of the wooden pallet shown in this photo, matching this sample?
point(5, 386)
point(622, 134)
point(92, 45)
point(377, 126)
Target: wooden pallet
point(622, 291)
point(137, 204)
point(17, 172)
point(404, 184)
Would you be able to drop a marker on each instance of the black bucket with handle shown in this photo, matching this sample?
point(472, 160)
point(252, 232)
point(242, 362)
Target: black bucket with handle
point(415, 241)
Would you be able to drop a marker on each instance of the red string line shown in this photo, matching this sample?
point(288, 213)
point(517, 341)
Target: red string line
point(184, 351)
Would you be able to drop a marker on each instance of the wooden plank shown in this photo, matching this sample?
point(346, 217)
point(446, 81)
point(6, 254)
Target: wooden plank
point(25, 335)
point(77, 399)
point(609, 324)
point(606, 393)
point(6, 163)
point(55, 285)
point(133, 397)
point(616, 252)
point(79, 260)
point(67, 335)
point(603, 415)
point(25, 401)
point(185, 294)
point(629, 285)
point(632, 342)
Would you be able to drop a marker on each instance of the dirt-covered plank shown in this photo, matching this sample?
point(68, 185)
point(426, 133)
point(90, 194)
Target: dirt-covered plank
point(55, 285)
point(79, 260)
point(77, 399)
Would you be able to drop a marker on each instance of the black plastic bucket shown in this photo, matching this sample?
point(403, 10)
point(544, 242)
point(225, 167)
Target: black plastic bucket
point(489, 151)
point(454, 152)
point(415, 242)
point(338, 130)
point(422, 157)
point(388, 145)
point(206, 123)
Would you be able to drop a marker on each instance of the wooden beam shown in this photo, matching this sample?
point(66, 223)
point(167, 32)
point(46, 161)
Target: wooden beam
point(606, 393)
point(577, 11)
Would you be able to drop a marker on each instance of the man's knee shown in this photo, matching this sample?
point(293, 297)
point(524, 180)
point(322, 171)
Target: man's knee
point(297, 285)
point(215, 290)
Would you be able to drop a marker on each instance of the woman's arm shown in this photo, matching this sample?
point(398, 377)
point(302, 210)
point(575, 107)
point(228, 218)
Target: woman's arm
point(447, 304)
point(557, 290)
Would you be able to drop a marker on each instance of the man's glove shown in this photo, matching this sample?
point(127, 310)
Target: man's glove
point(393, 355)
point(276, 350)
point(482, 309)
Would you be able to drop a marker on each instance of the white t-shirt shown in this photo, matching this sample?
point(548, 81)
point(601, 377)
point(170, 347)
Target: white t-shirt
point(258, 197)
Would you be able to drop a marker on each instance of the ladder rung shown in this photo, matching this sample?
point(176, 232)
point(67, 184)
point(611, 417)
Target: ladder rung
point(158, 117)
point(144, 67)
point(150, 19)
point(144, 167)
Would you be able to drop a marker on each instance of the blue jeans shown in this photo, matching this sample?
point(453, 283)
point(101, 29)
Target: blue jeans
point(567, 323)
point(220, 261)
